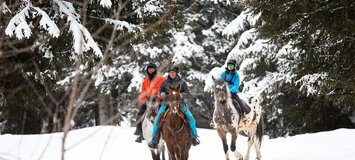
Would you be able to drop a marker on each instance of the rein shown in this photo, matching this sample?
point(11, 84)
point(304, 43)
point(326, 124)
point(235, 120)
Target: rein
point(174, 133)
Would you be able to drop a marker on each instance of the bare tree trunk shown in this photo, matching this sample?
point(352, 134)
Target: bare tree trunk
point(105, 109)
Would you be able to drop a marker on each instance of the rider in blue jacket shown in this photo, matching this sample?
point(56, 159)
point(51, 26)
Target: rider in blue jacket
point(231, 76)
point(173, 79)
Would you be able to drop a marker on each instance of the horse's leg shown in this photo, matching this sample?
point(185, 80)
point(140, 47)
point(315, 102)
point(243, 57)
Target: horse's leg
point(222, 135)
point(163, 152)
point(171, 153)
point(233, 140)
point(250, 143)
point(154, 156)
point(237, 155)
point(160, 151)
point(185, 155)
point(257, 149)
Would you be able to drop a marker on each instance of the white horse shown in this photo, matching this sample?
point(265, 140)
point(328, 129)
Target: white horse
point(147, 128)
point(227, 118)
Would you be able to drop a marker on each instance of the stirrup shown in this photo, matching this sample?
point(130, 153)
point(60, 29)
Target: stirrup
point(155, 141)
point(151, 144)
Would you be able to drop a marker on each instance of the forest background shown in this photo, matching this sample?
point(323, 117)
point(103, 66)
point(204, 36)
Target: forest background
point(74, 64)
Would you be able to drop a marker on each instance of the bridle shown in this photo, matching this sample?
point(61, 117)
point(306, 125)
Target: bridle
point(221, 93)
point(175, 102)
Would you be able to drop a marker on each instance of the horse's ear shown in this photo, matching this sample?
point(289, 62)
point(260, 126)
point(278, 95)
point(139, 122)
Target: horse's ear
point(214, 79)
point(170, 87)
point(178, 87)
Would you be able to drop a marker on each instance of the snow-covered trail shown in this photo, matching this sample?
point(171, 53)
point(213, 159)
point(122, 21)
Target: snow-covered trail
point(117, 143)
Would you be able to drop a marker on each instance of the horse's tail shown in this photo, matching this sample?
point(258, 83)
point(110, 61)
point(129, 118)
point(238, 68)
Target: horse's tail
point(260, 130)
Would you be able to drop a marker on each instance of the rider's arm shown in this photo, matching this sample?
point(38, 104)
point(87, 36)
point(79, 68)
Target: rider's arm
point(185, 91)
point(222, 74)
point(236, 82)
point(163, 88)
point(142, 94)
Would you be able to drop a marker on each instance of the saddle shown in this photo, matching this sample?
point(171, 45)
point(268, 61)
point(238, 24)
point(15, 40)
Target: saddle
point(181, 115)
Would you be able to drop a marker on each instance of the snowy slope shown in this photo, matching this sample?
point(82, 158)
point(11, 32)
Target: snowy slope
point(117, 143)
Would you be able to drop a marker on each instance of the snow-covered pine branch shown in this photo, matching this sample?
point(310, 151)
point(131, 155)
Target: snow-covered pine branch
point(18, 24)
point(311, 83)
point(228, 2)
point(152, 8)
point(121, 25)
point(4, 9)
point(82, 38)
point(47, 24)
point(185, 48)
point(239, 24)
point(105, 3)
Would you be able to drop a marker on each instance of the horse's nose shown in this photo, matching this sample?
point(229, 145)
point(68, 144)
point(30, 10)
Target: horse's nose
point(222, 101)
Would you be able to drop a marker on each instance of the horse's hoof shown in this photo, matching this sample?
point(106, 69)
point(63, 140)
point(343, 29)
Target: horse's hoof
point(233, 147)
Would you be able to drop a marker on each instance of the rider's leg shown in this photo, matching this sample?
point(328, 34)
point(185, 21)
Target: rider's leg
point(192, 124)
point(245, 108)
point(141, 111)
point(155, 140)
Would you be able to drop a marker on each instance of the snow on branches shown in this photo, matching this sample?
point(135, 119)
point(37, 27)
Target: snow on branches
point(19, 26)
point(106, 3)
point(121, 25)
point(82, 38)
point(4, 9)
point(228, 2)
point(245, 19)
point(311, 83)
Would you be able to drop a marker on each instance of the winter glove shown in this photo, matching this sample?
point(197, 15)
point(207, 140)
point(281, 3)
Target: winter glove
point(163, 95)
point(182, 96)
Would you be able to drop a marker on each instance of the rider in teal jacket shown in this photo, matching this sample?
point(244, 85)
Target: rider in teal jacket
point(173, 79)
point(231, 76)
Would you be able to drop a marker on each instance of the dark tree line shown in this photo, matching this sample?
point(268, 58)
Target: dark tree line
point(39, 79)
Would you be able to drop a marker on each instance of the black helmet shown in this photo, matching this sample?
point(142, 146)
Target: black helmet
point(232, 61)
point(173, 68)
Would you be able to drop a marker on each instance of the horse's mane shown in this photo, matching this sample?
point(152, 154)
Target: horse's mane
point(219, 82)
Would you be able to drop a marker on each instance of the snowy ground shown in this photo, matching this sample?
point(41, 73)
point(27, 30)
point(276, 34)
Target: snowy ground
point(117, 143)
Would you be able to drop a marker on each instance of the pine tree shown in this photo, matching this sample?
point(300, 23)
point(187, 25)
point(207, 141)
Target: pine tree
point(319, 57)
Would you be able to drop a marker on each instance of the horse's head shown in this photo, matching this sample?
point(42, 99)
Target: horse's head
point(151, 101)
point(220, 89)
point(175, 98)
point(152, 105)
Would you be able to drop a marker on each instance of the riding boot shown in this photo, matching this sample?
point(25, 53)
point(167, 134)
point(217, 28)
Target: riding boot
point(139, 139)
point(195, 141)
point(138, 131)
point(155, 141)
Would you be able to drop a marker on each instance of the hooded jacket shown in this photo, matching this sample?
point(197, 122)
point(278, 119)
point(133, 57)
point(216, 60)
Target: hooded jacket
point(233, 80)
point(174, 82)
point(150, 87)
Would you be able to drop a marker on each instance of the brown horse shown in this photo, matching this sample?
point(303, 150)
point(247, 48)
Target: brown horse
point(175, 130)
point(228, 119)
